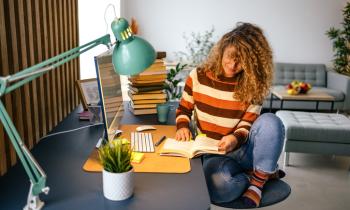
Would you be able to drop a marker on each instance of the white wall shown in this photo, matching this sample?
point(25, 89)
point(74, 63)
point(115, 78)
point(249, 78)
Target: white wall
point(92, 26)
point(295, 28)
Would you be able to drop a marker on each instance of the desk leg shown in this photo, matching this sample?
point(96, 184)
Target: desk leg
point(286, 159)
point(332, 106)
point(317, 103)
point(271, 98)
point(281, 104)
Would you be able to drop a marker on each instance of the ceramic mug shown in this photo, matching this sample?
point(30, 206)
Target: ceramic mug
point(162, 112)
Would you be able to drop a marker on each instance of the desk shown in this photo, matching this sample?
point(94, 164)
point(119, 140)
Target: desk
point(62, 158)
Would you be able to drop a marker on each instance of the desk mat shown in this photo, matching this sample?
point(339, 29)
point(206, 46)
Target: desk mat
point(152, 162)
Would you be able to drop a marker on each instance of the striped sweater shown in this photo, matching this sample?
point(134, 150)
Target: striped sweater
point(218, 112)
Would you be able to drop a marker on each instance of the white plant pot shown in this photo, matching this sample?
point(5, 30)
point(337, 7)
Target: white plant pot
point(118, 186)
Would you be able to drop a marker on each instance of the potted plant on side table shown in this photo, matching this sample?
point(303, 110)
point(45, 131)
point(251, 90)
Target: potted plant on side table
point(341, 43)
point(117, 174)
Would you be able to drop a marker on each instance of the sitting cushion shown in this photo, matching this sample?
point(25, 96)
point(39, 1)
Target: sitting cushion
point(318, 127)
point(337, 94)
point(274, 191)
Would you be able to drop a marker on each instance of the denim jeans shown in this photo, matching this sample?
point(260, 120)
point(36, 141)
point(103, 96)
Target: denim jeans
point(225, 174)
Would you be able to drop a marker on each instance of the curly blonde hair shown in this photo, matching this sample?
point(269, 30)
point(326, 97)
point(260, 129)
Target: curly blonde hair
point(255, 56)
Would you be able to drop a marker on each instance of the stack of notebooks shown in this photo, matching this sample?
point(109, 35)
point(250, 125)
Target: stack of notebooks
point(146, 89)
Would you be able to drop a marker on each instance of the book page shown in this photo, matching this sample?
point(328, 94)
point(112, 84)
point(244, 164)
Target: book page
point(204, 145)
point(172, 146)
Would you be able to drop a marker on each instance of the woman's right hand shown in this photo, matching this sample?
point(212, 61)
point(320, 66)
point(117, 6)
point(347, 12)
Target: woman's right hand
point(183, 134)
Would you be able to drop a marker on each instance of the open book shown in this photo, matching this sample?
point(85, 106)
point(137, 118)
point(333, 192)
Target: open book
point(190, 149)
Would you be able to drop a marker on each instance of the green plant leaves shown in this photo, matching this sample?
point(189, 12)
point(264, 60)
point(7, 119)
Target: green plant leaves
point(172, 72)
point(172, 83)
point(333, 33)
point(115, 156)
point(176, 82)
point(341, 43)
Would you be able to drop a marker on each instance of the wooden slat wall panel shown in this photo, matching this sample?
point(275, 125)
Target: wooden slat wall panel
point(4, 66)
point(76, 40)
point(33, 84)
point(13, 50)
point(36, 30)
point(66, 47)
point(45, 49)
point(52, 52)
point(70, 46)
point(38, 42)
point(27, 115)
point(61, 46)
point(57, 47)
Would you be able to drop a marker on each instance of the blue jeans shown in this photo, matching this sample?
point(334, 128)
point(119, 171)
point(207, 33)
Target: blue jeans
point(225, 174)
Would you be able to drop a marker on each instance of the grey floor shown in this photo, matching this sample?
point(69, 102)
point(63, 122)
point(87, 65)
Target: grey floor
point(318, 182)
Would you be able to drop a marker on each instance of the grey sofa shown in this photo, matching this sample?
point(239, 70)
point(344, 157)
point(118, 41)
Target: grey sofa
point(319, 77)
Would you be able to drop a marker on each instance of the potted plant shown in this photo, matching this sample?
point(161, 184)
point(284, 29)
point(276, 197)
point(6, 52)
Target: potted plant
point(117, 174)
point(172, 82)
point(341, 43)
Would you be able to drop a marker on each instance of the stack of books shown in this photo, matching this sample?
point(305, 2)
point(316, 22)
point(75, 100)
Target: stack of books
point(146, 89)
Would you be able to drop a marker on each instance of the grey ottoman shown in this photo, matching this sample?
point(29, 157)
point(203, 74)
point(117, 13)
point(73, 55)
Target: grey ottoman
point(318, 133)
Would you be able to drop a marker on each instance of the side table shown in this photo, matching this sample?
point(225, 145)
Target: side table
point(315, 96)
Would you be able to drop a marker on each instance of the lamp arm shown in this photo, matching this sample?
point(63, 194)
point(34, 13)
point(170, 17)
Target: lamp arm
point(32, 168)
point(35, 173)
point(39, 69)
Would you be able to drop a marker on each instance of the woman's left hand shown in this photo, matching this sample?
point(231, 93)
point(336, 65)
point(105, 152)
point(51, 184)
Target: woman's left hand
point(228, 143)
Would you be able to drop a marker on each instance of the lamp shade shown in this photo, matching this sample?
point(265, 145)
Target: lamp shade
point(131, 54)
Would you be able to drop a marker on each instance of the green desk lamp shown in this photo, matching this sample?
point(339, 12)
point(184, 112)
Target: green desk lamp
point(131, 55)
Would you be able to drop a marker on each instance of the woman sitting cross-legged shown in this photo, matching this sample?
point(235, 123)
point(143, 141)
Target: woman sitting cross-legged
point(227, 92)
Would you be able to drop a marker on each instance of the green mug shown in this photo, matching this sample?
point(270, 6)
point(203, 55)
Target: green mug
point(162, 112)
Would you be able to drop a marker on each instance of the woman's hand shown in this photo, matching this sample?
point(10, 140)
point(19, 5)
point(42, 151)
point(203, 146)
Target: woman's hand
point(228, 143)
point(183, 134)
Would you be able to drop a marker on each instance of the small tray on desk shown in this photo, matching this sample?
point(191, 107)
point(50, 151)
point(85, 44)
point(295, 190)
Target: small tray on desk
point(152, 162)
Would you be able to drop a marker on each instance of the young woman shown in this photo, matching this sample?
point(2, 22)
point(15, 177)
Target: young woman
point(226, 93)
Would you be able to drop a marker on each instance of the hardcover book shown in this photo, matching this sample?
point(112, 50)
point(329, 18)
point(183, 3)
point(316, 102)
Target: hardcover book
point(201, 145)
point(142, 106)
point(148, 77)
point(146, 96)
point(150, 101)
point(145, 89)
point(143, 111)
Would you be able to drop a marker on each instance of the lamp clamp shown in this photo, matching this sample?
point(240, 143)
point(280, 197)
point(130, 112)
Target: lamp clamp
point(33, 201)
point(3, 84)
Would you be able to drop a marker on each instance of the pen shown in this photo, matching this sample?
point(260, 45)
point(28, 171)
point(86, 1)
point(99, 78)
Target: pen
point(160, 141)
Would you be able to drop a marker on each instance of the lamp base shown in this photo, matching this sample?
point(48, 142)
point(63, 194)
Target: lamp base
point(33, 201)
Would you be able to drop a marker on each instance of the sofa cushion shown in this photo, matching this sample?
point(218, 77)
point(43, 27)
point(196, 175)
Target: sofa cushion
point(315, 74)
point(337, 94)
point(316, 127)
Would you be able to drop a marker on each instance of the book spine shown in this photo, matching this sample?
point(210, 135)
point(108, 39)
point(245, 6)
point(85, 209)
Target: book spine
point(145, 89)
point(146, 96)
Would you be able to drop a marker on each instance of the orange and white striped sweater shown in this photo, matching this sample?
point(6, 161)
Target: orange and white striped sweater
point(218, 112)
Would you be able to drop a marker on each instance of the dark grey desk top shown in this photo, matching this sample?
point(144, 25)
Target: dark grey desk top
point(62, 157)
